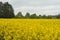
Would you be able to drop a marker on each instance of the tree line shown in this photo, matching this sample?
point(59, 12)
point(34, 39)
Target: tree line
point(7, 11)
point(28, 15)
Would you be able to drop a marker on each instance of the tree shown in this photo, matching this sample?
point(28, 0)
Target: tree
point(1, 9)
point(19, 15)
point(8, 10)
point(33, 16)
point(27, 15)
point(39, 16)
point(50, 17)
point(44, 16)
point(58, 16)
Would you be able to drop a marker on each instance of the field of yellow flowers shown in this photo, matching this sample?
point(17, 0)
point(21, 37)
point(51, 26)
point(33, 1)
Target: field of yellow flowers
point(29, 29)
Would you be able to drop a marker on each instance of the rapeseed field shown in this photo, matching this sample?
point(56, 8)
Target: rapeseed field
point(29, 29)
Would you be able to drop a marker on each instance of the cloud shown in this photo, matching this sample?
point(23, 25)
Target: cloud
point(5, 0)
point(48, 7)
point(48, 10)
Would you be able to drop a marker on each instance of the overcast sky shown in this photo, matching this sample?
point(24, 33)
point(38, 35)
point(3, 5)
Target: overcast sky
point(48, 7)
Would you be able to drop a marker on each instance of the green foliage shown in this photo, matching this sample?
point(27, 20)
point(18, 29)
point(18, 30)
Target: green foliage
point(6, 10)
point(27, 15)
point(33, 16)
point(58, 16)
point(19, 15)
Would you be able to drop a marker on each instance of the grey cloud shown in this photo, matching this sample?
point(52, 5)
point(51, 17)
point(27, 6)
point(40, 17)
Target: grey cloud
point(49, 6)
